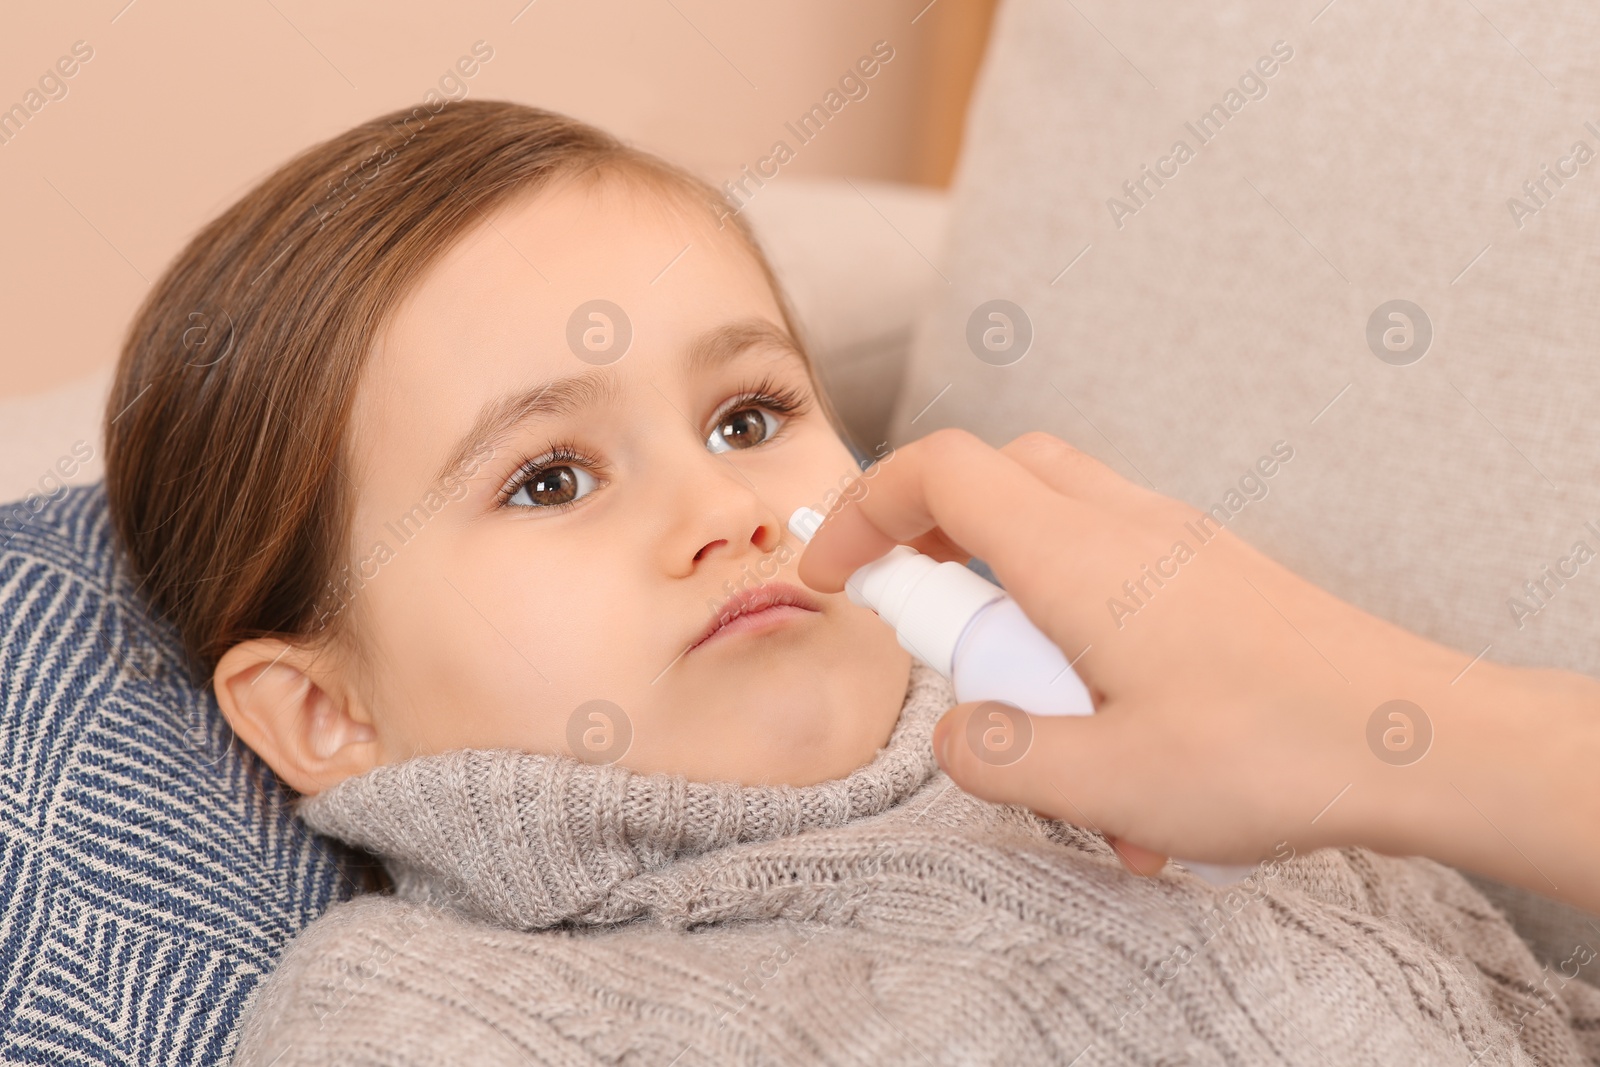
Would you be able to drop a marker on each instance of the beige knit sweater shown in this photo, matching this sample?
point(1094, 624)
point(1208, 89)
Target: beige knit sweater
point(552, 912)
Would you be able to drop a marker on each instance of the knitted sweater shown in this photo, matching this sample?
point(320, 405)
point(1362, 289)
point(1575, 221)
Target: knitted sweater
point(552, 912)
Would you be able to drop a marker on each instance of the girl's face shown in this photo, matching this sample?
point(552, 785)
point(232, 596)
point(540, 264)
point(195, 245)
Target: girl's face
point(556, 497)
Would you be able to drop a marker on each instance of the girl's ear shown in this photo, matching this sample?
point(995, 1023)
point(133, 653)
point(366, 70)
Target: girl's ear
point(302, 720)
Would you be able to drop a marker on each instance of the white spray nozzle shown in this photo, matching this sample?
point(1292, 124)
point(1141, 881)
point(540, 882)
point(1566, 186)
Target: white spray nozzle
point(927, 602)
point(804, 522)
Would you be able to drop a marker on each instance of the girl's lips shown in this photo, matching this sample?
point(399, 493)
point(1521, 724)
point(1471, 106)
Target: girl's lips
point(756, 622)
point(766, 607)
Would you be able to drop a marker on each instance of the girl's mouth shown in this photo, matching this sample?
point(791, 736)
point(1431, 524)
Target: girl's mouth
point(759, 610)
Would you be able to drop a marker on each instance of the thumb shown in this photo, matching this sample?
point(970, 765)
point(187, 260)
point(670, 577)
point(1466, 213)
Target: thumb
point(1057, 765)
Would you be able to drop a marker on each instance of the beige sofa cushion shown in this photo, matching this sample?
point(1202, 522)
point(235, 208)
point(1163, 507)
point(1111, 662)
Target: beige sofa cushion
point(1352, 156)
point(858, 260)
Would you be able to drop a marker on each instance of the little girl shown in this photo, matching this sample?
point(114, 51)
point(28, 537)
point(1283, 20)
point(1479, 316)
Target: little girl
point(644, 797)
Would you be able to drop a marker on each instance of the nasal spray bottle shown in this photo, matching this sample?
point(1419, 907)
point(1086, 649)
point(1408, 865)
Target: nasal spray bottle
point(975, 635)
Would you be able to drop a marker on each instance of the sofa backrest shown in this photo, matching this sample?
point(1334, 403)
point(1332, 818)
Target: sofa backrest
point(1219, 218)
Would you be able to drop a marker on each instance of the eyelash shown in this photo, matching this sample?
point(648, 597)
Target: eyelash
point(780, 399)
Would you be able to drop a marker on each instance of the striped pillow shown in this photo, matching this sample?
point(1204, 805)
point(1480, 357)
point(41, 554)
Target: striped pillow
point(150, 871)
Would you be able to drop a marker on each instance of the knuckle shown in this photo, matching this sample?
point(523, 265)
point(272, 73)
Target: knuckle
point(1040, 443)
point(952, 439)
point(1043, 452)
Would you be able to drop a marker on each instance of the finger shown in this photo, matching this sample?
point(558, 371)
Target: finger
point(1057, 464)
point(1059, 766)
point(952, 480)
point(936, 544)
point(1071, 471)
point(1139, 860)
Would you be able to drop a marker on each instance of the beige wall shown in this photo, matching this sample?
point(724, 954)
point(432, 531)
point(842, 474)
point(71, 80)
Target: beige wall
point(184, 105)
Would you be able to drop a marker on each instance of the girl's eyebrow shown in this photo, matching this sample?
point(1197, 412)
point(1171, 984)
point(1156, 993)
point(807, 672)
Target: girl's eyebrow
point(574, 392)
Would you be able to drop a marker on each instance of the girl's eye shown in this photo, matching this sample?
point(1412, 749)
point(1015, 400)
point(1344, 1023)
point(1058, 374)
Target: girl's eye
point(555, 482)
point(742, 428)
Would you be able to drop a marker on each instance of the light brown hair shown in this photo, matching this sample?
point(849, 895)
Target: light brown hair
point(227, 427)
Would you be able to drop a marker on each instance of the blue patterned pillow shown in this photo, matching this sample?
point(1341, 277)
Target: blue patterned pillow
point(150, 871)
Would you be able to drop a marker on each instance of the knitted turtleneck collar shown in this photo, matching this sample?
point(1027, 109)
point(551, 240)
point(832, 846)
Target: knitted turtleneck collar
point(902, 915)
point(532, 841)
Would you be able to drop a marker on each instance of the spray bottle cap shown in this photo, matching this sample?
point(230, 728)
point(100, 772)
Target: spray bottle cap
point(927, 602)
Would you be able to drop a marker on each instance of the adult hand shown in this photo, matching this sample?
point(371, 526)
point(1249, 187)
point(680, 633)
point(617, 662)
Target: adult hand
point(1239, 706)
